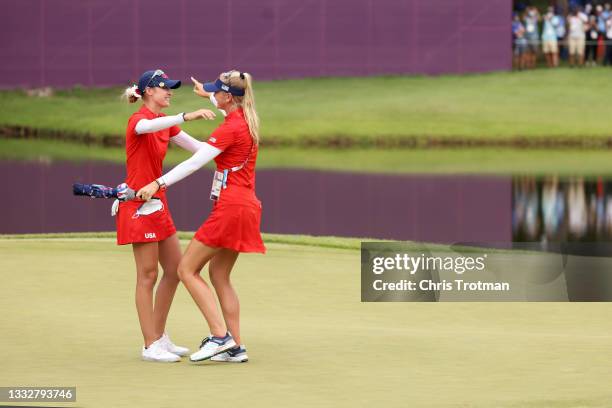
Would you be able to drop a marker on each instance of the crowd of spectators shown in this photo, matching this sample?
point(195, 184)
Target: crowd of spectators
point(582, 37)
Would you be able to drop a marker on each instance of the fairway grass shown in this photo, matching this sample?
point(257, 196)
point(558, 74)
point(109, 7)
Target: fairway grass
point(68, 319)
point(561, 103)
point(423, 161)
point(562, 107)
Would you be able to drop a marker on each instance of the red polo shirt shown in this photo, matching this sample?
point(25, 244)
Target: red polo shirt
point(235, 141)
point(145, 152)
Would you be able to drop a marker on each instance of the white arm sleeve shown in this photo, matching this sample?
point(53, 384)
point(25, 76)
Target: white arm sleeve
point(153, 125)
point(185, 141)
point(205, 154)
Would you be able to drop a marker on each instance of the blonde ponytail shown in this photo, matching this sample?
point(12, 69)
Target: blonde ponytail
point(248, 105)
point(131, 94)
point(244, 81)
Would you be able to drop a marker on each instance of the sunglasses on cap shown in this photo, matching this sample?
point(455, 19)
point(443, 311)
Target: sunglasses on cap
point(157, 78)
point(158, 72)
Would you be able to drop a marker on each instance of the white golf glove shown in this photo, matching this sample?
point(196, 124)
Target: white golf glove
point(115, 208)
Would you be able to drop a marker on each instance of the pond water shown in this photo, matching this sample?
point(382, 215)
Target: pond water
point(443, 209)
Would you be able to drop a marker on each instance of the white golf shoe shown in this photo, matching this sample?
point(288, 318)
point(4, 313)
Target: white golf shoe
point(235, 355)
point(157, 352)
point(211, 346)
point(173, 348)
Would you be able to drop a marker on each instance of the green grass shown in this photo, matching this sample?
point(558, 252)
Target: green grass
point(68, 319)
point(541, 103)
point(426, 161)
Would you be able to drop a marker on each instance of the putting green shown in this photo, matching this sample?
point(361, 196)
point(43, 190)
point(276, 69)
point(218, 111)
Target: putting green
point(68, 319)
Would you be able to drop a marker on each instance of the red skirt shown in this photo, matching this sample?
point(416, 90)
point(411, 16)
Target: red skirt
point(234, 225)
point(133, 228)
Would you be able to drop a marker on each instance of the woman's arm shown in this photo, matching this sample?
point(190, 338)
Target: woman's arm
point(198, 89)
point(187, 142)
point(205, 154)
point(153, 125)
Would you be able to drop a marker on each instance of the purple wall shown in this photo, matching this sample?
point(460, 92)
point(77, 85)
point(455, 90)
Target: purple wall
point(443, 209)
point(110, 42)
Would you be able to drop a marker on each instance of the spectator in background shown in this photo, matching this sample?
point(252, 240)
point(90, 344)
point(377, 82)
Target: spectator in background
point(559, 23)
point(601, 32)
point(531, 19)
point(519, 43)
point(549, 40)
point(585, 13)
point(576, 28)
point(601, 22)
point(591, 41)
point(608, 58)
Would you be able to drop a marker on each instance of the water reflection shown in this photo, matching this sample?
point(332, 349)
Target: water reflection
point(424, 208)
point(548, 209)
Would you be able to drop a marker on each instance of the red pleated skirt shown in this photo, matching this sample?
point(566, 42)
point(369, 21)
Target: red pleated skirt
point(133, 228)
point(234, 223)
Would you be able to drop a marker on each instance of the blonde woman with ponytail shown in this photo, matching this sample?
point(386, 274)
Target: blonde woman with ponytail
point(149, 227)
point(233, 225)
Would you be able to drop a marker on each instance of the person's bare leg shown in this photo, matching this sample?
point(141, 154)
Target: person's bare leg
point(194, 259)
point(555, 57)
point(528, 60)
point(169, 258)
point(146, 256)
point(219, 269)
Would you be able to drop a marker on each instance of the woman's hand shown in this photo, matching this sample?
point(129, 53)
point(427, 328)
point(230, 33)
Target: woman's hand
point(198, 88)
point(147, 191)
point(199, 114)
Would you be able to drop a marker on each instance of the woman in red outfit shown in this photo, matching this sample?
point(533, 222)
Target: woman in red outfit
point(149, 226)
point(233, 225)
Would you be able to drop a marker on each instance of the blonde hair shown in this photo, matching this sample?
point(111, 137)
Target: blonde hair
point(131, 94)
point(244, 80)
